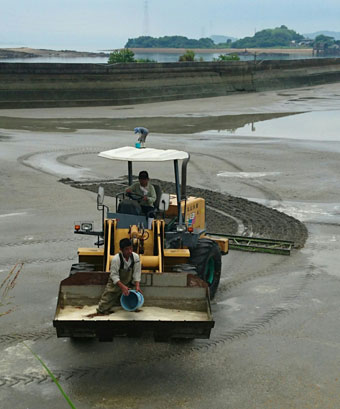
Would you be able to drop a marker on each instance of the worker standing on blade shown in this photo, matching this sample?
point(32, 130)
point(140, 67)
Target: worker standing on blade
point(143, 133)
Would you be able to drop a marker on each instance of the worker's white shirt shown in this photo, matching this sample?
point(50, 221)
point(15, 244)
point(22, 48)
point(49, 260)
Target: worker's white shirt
point(115, 267)
point(145, 190)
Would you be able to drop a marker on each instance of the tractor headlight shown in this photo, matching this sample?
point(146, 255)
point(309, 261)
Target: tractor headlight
point(84, 227)
point(87, 226)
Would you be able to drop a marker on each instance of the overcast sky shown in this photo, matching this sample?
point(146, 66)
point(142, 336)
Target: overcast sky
point(106, 24)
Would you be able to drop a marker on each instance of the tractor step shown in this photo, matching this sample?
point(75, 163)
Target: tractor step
point(256, 244)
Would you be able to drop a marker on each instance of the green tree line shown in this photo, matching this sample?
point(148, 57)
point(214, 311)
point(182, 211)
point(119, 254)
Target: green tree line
point(169, 42)
point(271, 37)
point(325, 41)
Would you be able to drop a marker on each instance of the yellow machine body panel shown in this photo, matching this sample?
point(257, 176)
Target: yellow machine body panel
point(194, 212)
point(151, 254)
point(223, 243)
point(147, 262)
point(93, 256)
point(175, 256)
point(182, 253)
point(89, 251)
point(148, 242)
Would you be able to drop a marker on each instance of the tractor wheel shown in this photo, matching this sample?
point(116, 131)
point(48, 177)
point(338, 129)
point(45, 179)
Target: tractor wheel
point(206, 256)
point(83, 266)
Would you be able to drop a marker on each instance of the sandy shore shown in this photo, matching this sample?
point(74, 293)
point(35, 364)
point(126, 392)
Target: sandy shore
point(26, 52)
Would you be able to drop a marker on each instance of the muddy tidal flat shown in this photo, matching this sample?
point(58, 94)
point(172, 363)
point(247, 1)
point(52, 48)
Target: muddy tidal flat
point(268, 164)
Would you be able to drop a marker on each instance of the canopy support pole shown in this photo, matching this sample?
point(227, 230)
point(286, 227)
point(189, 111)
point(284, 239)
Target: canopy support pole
point(130, 172)
point(178, 193)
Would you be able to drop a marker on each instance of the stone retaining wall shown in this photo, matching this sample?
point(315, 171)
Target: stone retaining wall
point(32, 85)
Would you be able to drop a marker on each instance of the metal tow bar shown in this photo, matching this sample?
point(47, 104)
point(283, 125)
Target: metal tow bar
point(256, 244)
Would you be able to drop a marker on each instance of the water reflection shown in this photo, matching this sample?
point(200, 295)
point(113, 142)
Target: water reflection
point(316, 126)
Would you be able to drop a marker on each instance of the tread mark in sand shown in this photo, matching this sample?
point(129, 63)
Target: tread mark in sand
point(11, 262)
point(42, 241)
point(286, 306)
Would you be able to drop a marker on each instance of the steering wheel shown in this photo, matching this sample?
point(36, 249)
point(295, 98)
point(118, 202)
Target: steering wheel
point(134, 196)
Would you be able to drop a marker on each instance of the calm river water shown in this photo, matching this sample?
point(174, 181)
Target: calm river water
point(159, 57)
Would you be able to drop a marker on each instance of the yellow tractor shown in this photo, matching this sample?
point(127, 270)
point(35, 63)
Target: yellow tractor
point(181, 265)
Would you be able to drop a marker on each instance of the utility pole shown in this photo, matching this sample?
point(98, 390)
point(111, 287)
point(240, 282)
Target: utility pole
point(146, 18)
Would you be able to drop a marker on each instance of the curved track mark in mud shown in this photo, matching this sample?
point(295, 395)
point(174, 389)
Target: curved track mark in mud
point(286, 306)
point(226, 285)
point(240, 230)
point(323, 223)
point(227, 162)
point(63, 158)
point(258, 220)
point(204, 180)
point(27, 336)
point(268, 193)
point(11, 262)
point(85, 151)
point(39, 378)
point(22, 159)
point(34, 242)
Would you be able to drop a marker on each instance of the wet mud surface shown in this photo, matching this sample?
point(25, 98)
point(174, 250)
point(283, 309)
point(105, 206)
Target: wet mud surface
point(258, 220)
point(171, 125)
point(274, 344)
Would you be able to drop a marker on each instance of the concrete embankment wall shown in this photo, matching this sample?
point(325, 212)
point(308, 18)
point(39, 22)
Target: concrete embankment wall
point(30, 85)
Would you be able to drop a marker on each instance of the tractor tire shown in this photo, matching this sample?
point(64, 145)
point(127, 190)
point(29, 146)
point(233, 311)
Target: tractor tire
point(206, 256)
point(83, 266)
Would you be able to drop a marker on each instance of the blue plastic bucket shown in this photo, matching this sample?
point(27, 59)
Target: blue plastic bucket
point(133, 301)
point(137, 145)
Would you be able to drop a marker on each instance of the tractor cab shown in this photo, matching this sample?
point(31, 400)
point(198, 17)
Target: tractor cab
point(130, 203)
point(184, 217)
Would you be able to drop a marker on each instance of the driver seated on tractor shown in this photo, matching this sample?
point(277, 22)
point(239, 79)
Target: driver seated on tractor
point(146, 193)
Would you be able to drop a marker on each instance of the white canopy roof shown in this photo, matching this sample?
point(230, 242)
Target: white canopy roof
point(129, 153)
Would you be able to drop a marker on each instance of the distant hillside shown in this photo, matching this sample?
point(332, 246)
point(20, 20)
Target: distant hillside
point(169, 42)
point(217, 39)
point(271, 37)
point(335, 34)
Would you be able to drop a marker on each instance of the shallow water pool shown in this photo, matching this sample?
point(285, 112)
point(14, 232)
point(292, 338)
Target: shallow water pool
point(316, 126)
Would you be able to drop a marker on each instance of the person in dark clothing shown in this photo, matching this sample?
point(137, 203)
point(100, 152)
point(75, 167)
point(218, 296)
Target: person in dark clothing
point(145, 191)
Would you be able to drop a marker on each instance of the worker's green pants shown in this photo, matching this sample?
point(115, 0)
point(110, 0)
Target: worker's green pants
point(112, 293)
